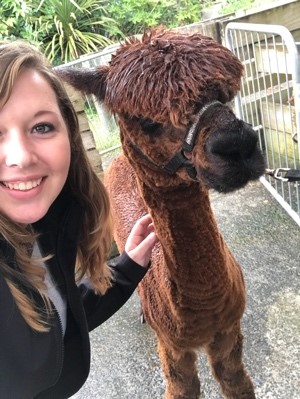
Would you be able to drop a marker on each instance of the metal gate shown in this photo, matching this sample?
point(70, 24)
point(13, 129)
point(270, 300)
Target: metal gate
point(269, 99)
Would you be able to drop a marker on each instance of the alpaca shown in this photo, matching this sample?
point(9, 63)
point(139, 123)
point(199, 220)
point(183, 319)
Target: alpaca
point(180, 139)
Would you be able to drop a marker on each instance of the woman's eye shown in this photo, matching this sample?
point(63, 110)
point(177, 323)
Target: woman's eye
point(43, 128)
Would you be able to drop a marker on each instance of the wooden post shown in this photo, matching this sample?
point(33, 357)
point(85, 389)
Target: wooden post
point(86, 133)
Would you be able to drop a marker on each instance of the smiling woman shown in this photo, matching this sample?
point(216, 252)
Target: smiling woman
point(55, 236)
point(32, 176)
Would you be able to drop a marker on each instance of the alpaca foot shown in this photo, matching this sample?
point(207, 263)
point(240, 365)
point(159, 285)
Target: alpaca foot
point(245, 395)
point(252, 396)
point(193, 396)
point(190, 393)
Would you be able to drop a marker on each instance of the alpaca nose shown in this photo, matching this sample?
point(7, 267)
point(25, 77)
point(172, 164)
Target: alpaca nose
point(236, 144)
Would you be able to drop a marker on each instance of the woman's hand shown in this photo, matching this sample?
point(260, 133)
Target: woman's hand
point(141, 241)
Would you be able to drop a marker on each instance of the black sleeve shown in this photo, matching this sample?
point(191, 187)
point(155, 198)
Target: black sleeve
point(126, 276)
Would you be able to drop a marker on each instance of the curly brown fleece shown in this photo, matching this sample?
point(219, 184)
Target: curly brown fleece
point(193, 295)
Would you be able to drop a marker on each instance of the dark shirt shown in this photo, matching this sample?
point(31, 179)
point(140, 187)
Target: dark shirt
point(48, 365)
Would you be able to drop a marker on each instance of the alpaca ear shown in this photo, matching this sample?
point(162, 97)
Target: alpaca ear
point(88, 81)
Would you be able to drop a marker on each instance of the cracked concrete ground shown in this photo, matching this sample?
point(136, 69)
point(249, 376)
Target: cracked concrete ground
point(266, 242)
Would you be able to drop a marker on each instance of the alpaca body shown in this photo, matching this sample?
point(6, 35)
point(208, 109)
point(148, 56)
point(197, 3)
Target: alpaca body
point(194, 290)
point(180, 138)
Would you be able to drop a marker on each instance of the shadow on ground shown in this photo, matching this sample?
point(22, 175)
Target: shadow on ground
point(266, 242)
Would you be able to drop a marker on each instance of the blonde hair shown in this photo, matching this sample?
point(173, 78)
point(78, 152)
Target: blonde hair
point(82, 181)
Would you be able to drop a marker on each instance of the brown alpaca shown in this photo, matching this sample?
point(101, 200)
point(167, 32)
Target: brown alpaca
point(179, 138)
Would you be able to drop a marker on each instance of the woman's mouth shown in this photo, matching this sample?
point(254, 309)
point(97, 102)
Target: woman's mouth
point(23, 185)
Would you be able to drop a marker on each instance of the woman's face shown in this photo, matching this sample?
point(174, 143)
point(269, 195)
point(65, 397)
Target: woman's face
point(34, 149)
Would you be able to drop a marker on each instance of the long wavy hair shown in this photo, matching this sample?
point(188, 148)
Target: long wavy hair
point(82, 181)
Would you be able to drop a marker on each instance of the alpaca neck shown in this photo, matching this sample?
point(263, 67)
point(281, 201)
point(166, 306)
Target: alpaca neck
point(192, 245)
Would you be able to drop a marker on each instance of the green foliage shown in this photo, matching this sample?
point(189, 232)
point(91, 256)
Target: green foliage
point(13, 20)
point(65, 29)
point(232, 6)
point(134, 16)
point(71, 28)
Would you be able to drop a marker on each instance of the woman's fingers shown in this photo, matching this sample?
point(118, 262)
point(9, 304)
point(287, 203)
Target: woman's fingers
point(141, 240)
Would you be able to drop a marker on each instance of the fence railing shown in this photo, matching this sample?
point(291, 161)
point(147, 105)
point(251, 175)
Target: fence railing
point(270, 99)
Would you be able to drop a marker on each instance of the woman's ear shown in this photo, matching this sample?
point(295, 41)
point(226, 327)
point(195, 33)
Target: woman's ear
point(88, 81)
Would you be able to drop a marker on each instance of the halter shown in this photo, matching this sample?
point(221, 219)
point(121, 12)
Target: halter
point(179, 159)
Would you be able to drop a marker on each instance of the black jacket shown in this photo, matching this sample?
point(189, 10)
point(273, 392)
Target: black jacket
point(46, 365)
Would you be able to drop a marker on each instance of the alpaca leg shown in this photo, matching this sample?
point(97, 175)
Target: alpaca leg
point(180, 371)
point(225, 357)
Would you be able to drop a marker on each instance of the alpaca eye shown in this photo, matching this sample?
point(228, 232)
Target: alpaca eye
point(149, 126)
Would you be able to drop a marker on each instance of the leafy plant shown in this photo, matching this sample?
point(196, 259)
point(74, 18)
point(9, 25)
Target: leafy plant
point(232, 6)
point(71, 28)
point(134, 16)
point(14, 20)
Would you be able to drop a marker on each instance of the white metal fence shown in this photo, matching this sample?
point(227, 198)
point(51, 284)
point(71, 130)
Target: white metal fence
point(270, 99)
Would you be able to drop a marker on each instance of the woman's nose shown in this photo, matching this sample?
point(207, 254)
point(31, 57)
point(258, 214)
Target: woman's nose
point(19, 150)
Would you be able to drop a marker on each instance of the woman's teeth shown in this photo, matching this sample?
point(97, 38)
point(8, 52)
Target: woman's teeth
point(23, 186)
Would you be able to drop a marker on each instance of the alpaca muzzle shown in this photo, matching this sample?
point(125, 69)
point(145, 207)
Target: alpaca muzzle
point(237, 144)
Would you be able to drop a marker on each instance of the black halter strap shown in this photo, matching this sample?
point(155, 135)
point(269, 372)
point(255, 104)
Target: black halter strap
point(179, 159)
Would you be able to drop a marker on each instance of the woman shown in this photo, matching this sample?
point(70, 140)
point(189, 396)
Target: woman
point(55, 235)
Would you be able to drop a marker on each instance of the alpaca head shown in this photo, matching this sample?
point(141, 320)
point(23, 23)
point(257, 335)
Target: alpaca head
point(169, 92)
